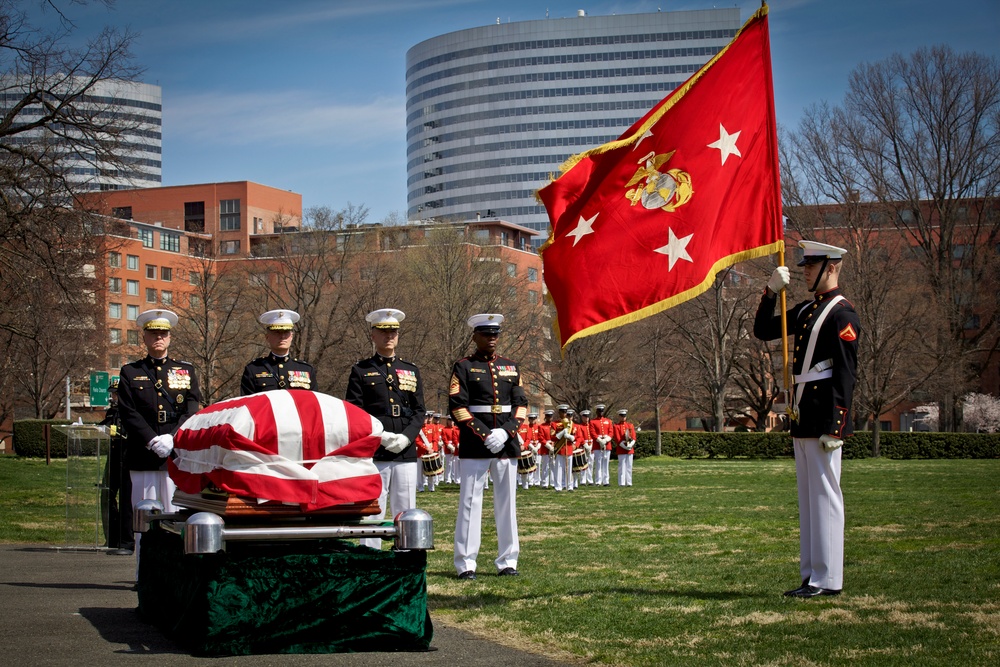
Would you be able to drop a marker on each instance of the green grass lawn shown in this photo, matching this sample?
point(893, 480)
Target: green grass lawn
point(687, 567)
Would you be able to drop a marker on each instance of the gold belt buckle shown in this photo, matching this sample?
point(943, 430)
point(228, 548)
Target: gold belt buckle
point(495, 409)
point(161, 416)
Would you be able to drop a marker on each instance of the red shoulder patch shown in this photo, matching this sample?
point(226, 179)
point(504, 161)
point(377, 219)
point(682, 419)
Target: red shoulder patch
point(848, 333)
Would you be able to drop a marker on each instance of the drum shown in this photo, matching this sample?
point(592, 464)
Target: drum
point(433, 464)
point(580, 460)
point(526, 463)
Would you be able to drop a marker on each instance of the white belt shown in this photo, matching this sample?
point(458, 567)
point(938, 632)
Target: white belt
point(495, 409)
point(820, 371)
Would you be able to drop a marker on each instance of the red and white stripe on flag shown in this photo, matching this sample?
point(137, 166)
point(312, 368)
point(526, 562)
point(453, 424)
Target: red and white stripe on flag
point(288, 446)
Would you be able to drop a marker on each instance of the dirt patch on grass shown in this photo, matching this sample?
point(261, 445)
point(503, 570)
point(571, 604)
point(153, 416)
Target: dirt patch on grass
point(990, 621)
point(915, 619)
point(827, 616)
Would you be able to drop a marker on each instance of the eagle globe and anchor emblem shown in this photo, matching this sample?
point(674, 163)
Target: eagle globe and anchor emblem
point(667, 190)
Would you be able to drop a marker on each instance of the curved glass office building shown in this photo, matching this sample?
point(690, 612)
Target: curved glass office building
point(492, 112)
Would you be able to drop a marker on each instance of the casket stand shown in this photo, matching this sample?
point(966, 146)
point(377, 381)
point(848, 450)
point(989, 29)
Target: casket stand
point(273, 580)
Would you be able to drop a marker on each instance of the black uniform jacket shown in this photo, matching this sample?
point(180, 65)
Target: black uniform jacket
point(154, 398)
point(825, 406)
point(390, 390)
point(479, 381)
point(271, 372)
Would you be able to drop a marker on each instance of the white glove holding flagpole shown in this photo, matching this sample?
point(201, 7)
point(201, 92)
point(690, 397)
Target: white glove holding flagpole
point(779, 279)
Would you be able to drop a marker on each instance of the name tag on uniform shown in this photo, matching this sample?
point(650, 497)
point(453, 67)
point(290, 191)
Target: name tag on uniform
point(371, 374)
point(178, 378)
point(299, 379)
point(263, 374)
point(142, 377)
point(407, 379)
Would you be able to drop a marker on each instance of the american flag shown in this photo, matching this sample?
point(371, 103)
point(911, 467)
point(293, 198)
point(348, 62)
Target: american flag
point(297, 446)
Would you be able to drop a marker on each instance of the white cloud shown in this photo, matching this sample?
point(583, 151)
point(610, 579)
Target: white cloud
point(289, 117)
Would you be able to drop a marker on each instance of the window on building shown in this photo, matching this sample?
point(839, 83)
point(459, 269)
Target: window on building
point(512, 270)
point(229, 215)
point(229, 248)
point(368, 273)
point(132, 336)
point(195, 302)
point(114, 361)
point(133, 262)
point(122, 212)
point(532, 296)
point(132, 287)
point(532, 274)
point(146, 236)
point(115, 311)
point(695, 423)
point(116, 336)
point(166, 274)
point(131, 312)
point(170, 242)
point(115, 260)
point(150, 295)
point(481, 236)
point(151, 271)
point(194, 278)
point(115, 285)
point(166, 297)
point(258, 225)
point(194, 216)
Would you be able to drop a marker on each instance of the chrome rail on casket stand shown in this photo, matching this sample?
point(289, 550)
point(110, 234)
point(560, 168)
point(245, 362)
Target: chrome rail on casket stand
point(206, 532)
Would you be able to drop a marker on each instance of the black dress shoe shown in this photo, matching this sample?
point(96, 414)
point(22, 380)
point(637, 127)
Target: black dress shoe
point(808, 591)
point(468, 574)
point(508, 572)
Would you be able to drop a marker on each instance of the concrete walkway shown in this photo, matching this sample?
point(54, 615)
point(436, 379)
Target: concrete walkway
point(77, 607)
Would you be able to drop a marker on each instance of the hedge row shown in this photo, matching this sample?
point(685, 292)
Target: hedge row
point(29, 439)
point(893, 445)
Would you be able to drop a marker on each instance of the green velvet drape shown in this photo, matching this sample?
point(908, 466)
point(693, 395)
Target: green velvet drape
point(318, 596)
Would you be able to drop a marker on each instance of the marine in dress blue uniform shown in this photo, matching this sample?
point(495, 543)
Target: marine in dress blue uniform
point(390, 389)
point(826, 330)
point(277, 370)
point(487, 401)
point(155, 396)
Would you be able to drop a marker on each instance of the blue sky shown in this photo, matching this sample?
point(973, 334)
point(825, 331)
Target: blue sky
point(308, 95)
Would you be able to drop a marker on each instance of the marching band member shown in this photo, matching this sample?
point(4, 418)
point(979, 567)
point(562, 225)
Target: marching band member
point(427, 446)
point(449, 437)
point(601, 432)
point(526, 435)
point(625, 439)
point(564, 437)
point(586, 476)
point(546, 453)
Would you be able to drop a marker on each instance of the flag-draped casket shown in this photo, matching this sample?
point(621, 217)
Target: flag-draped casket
point(296, 446)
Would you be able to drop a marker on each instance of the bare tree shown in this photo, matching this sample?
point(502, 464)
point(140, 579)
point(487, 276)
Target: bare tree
point(921, 136)
point(712, 336)
point(216, 326)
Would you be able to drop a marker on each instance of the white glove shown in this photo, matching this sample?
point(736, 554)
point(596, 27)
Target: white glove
point(830, 443)
point(604, 439)
point(387, 438)
point(548, 446)
point(396, 444)
point(779, 279)
point(561, 434)
point(161, 445)
point(496, 440)
point(534, 448)
point(588, 447)
point(571, 438)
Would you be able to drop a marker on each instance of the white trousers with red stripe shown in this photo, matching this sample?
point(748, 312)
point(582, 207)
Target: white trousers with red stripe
point(821, 514)
point(469, 522)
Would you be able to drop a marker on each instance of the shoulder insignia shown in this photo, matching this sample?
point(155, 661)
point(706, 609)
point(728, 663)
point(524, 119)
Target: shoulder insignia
point(848, 333)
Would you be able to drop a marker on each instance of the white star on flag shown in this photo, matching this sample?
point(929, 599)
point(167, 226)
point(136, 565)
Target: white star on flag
point(676, 249)
point(726, 143)
point(583, 228)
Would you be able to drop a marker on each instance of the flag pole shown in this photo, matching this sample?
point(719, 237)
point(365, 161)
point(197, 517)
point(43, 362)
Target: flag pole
point(784, 332)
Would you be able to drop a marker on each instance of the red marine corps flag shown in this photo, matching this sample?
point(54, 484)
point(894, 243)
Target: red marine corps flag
point(645, 222)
